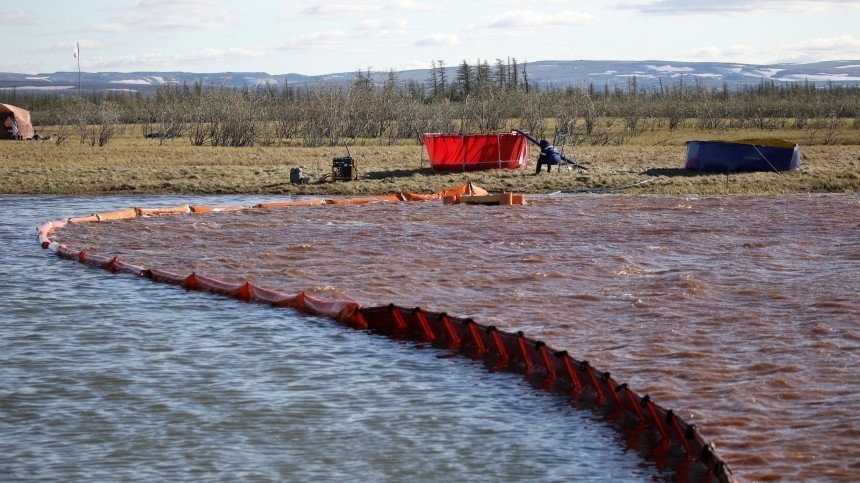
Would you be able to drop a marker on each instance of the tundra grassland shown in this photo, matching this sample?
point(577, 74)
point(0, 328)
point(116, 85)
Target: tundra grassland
point(652, 162)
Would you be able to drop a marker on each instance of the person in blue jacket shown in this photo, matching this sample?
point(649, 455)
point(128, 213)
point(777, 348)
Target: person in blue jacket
point(548, 156)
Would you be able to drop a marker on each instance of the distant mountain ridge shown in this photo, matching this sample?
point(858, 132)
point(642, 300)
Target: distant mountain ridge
point(560, 73)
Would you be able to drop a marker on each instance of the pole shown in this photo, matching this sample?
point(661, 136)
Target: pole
point(78, 56)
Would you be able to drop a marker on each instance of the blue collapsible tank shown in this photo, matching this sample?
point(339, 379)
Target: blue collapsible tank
point(743, 155)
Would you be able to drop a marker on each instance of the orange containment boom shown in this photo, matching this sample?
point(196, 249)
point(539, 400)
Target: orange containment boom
point(655, 432)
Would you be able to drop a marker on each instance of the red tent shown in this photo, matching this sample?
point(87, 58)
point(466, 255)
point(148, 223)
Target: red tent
point(476, 151)
point(16, 123)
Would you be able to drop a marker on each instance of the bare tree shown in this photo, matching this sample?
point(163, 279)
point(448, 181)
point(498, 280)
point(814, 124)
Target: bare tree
point(485, 111)
point(288, 120)
point(631, 107)
point(325, 115)
point(106, 124)
point(165, 116)
point(536, 109)
point(439, 117)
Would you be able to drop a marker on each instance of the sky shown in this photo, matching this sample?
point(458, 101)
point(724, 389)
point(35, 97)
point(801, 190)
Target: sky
point(322, 37)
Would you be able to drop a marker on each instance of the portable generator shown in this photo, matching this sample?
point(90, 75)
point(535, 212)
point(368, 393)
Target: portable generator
point(343, 169)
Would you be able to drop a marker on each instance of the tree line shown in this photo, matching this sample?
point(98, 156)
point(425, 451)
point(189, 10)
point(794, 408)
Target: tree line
point(478, 98)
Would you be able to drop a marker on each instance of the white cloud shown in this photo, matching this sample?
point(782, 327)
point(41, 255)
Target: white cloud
point(22, 66)
point(329, 9)
point(318, 36)
point(231, 53)
point(380, 28)
point(533, 19)
point(122, 62)
point(811, 50)
point(68, 46)
point(12, 17)
point(108, 28)
point(834, 48)
point(157, 61)
point(411, 6)
point(353, 8)
point(730, 53)
point(735, 7)
point(328, 40)
point(844, 43)
point(85, 44)
point(180, 15)
point(438, 39)
point(342, 39)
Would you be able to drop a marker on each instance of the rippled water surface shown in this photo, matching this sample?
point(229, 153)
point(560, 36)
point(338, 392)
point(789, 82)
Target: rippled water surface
point(113, 378)
point(741, 313)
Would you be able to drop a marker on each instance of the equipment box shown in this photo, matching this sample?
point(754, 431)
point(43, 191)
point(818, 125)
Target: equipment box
point(343, 169)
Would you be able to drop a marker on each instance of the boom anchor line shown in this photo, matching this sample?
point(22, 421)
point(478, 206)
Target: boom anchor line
point(655, 432)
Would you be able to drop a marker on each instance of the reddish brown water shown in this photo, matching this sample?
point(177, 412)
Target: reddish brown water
point(741, 313)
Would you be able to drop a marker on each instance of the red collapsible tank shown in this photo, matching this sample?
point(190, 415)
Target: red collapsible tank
point(476, 151)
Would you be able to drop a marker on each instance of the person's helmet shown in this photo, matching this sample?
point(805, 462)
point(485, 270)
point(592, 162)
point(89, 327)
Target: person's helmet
point(544, 143)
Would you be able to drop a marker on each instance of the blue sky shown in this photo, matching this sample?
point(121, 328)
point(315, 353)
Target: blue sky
point(320, 37)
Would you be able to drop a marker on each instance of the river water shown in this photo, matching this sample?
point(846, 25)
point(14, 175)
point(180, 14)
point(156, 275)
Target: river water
point(109, 378)
point(741, 313)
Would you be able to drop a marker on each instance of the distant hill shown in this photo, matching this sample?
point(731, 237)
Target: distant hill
point(560, 73)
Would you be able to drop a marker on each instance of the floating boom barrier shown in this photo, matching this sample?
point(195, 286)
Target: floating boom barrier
point(658, 434)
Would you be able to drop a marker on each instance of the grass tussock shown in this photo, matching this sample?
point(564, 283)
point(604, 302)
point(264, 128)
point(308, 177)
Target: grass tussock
point(650, 163)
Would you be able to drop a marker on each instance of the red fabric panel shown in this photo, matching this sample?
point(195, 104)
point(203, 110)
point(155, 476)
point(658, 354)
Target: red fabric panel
point(470, 152)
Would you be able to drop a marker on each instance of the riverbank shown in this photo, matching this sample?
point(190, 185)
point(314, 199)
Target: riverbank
point(133, 165)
